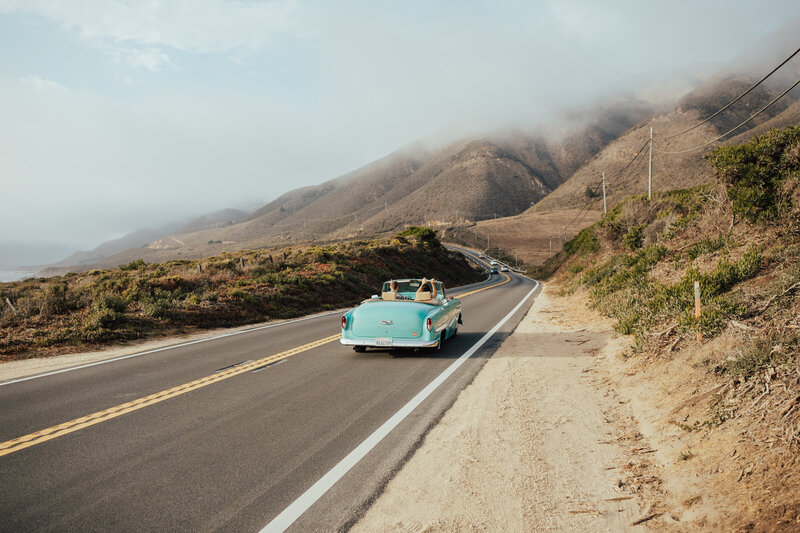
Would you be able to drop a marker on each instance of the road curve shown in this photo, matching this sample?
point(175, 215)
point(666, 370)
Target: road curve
point(226, 434)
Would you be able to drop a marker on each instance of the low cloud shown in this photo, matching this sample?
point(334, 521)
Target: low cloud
point(41, 84)
point(151, 59)
point(200, 26)
point(175, 108)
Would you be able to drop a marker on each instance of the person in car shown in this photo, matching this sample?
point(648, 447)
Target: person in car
point(427, 285)
point(395, 288)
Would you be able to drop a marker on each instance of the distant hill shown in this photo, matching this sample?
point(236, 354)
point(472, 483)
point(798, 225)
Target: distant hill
point(468, 180)
point(675, 170)
point(141, 238)
point(513, 174)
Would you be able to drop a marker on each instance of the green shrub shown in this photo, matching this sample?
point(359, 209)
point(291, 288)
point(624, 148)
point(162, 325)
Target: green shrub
point(706, 246)
point(772, 349)
point(423, 235)
point(634, 238)
point(111, 302)
point(158, 309)
point(133, 265)
point(754, 172)
point(103, 318)
point(584, 243)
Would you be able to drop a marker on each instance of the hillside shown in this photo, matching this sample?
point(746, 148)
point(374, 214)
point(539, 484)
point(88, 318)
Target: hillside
point(468, 180)
point(528, 232)
point(144, 237)
point(718, 413)
point(140, 300)
point(464, 181)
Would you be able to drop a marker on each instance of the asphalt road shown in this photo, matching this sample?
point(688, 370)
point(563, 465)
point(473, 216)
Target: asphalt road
point(225, 434)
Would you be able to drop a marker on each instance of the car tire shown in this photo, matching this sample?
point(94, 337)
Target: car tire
point(359, 349)
point(438, 346)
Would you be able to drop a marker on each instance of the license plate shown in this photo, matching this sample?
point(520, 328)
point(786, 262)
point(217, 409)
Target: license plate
point(383, 341)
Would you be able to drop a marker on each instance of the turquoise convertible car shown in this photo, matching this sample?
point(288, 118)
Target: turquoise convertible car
point(406, 318)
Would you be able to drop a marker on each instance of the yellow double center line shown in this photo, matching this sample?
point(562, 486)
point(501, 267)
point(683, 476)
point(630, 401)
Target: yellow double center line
point(44, 435)
point(508, 278)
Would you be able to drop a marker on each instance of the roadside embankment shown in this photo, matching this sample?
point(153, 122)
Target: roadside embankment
point(79, 312)
point(566, 429)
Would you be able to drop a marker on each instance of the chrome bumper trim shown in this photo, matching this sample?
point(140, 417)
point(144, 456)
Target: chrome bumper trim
point(399, 343)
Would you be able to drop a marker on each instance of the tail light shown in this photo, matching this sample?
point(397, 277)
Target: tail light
point(429, 323)
point(344, 322)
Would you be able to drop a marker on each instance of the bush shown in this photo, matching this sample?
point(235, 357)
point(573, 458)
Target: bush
point(755, 171)
point(133, 265)
point(585, 243)
point(103, 319)
point(111, 302)
point(769, 350)
point(634, 239)
point(423, 235)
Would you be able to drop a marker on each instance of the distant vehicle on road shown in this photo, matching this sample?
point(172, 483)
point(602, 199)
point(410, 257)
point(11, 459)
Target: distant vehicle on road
point(494, 262)
point(482, 256)
point(504, 268)
point(493, 271)
point(402, 319)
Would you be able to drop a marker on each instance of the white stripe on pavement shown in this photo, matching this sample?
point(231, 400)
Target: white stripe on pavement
point(288, 516)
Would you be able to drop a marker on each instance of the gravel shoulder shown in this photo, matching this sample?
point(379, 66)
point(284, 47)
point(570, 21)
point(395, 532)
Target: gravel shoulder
point(537, 442)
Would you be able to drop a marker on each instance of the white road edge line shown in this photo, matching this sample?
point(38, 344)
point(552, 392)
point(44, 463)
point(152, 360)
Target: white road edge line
point(288, 516)
point(138, 354)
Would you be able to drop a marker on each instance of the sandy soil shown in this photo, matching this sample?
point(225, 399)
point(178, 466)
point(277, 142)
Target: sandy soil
point(537, 442)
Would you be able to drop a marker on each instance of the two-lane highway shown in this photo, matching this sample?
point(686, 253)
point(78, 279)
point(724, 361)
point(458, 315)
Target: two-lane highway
point(232, 432)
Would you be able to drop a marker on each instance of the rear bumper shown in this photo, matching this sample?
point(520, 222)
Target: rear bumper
point(396, 343)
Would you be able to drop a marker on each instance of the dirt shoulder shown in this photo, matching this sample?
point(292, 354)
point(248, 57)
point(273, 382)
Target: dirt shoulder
point(566, 428)
point(536, 442)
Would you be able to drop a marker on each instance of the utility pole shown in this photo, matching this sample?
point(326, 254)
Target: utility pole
point(650, 168)
point(550, 238)
point(564, 228)
point(605, 211)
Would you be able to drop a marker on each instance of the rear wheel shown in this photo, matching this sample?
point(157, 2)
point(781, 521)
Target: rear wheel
point(360, 349)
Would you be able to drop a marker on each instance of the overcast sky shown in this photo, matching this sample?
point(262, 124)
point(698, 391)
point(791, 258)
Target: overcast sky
point(118, 115)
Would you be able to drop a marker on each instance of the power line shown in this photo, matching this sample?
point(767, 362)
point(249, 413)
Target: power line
point(591, 198)
point(582, 212)
point(751, 117)
point(600, 184)
point(759, 82)
point(634, 158)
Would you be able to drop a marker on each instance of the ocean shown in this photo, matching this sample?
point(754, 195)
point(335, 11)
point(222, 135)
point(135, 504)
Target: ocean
point(15, 275)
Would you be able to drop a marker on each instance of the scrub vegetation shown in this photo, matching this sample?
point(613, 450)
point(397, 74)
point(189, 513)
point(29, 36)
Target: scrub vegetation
point(74, 312)
point(732, 394)
point(738, 239)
